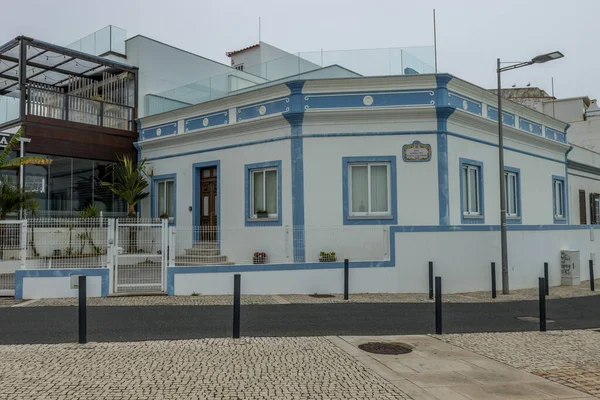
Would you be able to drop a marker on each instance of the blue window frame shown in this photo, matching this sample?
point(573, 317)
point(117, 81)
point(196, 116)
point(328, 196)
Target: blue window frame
point(262, 188)
point(512, 182)
point(163, 198)
point(472, 202)
point(369, 190)
point(559, 199)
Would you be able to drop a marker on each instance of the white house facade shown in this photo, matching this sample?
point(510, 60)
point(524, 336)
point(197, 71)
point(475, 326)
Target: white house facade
point(388, 172)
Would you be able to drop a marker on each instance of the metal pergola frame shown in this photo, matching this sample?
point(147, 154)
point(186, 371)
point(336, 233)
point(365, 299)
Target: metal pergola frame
point(45, 63)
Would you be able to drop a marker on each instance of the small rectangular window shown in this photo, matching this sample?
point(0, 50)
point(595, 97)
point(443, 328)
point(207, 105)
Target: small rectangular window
point(239, 67)
point(264, 192)
point(165, 194)
point(511, 193)
point(369, 189)
point(471, 191)
point(559, 199)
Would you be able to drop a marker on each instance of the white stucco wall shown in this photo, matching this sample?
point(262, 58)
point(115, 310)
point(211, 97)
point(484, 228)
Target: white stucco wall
point(58, 287)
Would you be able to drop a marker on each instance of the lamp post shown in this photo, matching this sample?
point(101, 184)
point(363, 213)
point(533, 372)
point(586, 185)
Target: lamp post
point(503, 241)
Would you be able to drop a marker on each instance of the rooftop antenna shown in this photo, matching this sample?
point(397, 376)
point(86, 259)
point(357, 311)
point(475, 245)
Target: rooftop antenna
point(258, 29)
point(434, 42)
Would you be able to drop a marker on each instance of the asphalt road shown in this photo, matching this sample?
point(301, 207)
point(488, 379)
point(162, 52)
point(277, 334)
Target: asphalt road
point(25, 325)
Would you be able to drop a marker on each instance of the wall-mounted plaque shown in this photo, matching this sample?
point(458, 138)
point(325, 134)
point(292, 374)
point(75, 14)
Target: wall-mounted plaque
point(416, 151)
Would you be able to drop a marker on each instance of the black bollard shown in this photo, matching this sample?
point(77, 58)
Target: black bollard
point(431, 280)
point(493, 280)
point(546, 279)
point(236, 305)
point(82, 310)
point(438, 305)
point(592, 283)
point(346, 279)
point(542, 291)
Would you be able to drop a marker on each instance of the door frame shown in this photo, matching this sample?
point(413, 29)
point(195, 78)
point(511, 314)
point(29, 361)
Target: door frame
point(196, 167)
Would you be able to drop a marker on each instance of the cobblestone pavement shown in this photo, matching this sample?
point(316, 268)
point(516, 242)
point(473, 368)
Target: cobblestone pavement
point(8, 302)
point(571, 358)
point(473, 297)
point(224, 369)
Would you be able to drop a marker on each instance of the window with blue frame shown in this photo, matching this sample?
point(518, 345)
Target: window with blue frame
point(369, 190)
point(471, 193)
point(512, 194)
point(164, 193)
point(559, 203)
point(263, 193)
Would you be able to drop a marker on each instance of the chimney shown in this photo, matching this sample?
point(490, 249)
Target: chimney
point(593, 111)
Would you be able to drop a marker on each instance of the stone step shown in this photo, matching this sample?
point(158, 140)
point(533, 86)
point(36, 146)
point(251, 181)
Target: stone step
point(202, 259)
point(207, 245)
point(201, 252)
point(188, 262)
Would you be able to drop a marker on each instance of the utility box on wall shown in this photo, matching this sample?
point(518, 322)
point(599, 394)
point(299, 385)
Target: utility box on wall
point(570, 268)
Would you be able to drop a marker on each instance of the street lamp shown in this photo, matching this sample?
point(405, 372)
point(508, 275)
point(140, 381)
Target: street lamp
point(536, 60)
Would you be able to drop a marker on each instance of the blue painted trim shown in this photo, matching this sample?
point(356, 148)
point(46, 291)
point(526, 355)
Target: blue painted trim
point(480, 219)
point(530, 126)
point(442, 114)
point(196, 195)
point(104, 273)
point(370, 99)
point(295, 119)
point(162, 130)
point(206, 121)
point(562, 220)
point(464, 103)
point(376, 220)
point(505, 147)
point(358, 134)
point(263, 108)
point(248, 220)
point(519, 218)
point(153, 195)
point(507, 118)
point(172, 271)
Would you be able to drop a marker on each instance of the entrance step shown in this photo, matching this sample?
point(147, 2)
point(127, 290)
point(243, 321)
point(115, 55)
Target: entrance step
point(207, 245)
point(200, 259)
point(201, 252)
point(189, 261)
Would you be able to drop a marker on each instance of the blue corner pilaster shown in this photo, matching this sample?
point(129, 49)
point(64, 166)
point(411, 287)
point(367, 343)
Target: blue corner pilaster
point(443, 112)
point(295, 117)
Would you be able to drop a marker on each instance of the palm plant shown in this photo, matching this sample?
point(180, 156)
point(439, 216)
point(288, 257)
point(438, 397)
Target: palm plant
point(18, 161)
point(129, 183)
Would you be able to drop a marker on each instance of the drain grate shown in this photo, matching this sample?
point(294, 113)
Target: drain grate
point(321, 296)
point(386, 348)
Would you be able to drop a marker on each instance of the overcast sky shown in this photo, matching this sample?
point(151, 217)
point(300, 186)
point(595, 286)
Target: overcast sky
point(471, 33)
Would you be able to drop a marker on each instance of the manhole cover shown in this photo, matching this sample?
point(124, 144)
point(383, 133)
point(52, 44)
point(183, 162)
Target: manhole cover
point(385, 348)
point(534, 319)
point(321, 296)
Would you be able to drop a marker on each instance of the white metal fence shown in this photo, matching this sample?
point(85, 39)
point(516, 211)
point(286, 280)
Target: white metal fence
point(138, 251)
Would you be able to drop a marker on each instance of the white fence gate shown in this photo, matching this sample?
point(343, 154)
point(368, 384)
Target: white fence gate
point(13, 251)
point(139, 250)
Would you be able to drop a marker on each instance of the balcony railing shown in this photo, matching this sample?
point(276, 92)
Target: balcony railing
point(51, 104)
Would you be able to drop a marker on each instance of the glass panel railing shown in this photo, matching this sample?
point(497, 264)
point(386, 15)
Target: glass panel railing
point(9, 107)
point(107, 39)
point(307, 65)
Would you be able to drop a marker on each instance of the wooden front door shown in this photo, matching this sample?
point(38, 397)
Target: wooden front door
point(208, 203)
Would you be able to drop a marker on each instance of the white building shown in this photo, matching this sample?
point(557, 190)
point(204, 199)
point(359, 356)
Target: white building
point(388, 172)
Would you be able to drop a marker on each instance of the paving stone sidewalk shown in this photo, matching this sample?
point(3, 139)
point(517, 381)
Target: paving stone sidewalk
point(571, 358)
point(211, 369)
point(201, 300)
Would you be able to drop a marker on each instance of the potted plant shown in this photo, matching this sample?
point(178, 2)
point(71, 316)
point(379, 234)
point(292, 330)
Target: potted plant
point(260, 213)
point(259, 257)
point(327, 257)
